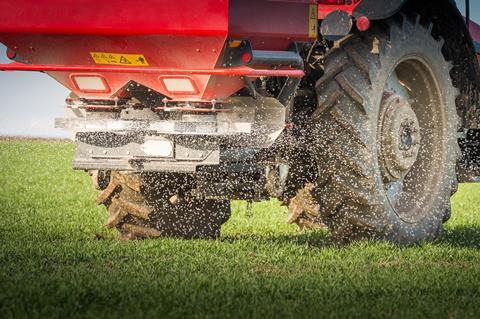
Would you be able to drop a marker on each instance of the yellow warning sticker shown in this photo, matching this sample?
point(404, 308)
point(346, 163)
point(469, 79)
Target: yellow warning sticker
point(119, 59)
point(313, 21)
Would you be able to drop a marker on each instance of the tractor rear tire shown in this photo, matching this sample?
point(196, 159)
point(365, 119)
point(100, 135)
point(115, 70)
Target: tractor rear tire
point(150, 205)
point(384, 136)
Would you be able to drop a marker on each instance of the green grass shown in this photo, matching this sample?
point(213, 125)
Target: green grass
point(56, 259)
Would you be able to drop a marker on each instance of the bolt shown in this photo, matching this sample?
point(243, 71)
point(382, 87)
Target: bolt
point(104, 152)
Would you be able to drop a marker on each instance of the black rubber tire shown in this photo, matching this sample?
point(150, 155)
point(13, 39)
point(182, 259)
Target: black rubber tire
point(350, 193)
point(151, 205)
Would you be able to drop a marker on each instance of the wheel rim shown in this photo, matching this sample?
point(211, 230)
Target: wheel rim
point(411, 135)
point(400, 137)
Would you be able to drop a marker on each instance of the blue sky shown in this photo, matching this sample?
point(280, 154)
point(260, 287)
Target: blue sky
point(30, 101)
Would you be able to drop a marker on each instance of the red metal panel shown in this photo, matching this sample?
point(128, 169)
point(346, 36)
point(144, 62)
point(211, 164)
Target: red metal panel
point(115, 17)
point(269, 24)
point(177, 34)
point(160, 51)
point(176, 37)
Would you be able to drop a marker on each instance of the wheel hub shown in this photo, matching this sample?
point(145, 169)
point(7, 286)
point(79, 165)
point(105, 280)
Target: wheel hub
point(400, 137)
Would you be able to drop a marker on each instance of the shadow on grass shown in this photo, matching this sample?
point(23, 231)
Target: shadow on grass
point(459, 236)
point(462, 237)
point(318, 239)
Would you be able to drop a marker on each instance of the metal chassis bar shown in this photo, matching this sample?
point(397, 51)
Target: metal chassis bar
point(235, 71)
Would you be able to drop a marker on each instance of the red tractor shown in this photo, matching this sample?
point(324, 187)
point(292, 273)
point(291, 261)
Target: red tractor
point(360, 115)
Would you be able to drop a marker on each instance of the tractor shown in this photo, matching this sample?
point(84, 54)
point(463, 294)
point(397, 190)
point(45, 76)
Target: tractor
point(361, 116)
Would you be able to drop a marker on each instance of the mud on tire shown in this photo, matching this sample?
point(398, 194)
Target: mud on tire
point(384, 135)
point(151, 205)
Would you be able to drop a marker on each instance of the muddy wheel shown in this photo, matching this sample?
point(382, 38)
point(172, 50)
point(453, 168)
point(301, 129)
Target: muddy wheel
point(384, 136)
point(100, 179)
point(153, 205)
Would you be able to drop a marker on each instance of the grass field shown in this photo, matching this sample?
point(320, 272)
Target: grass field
point(56, 259)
